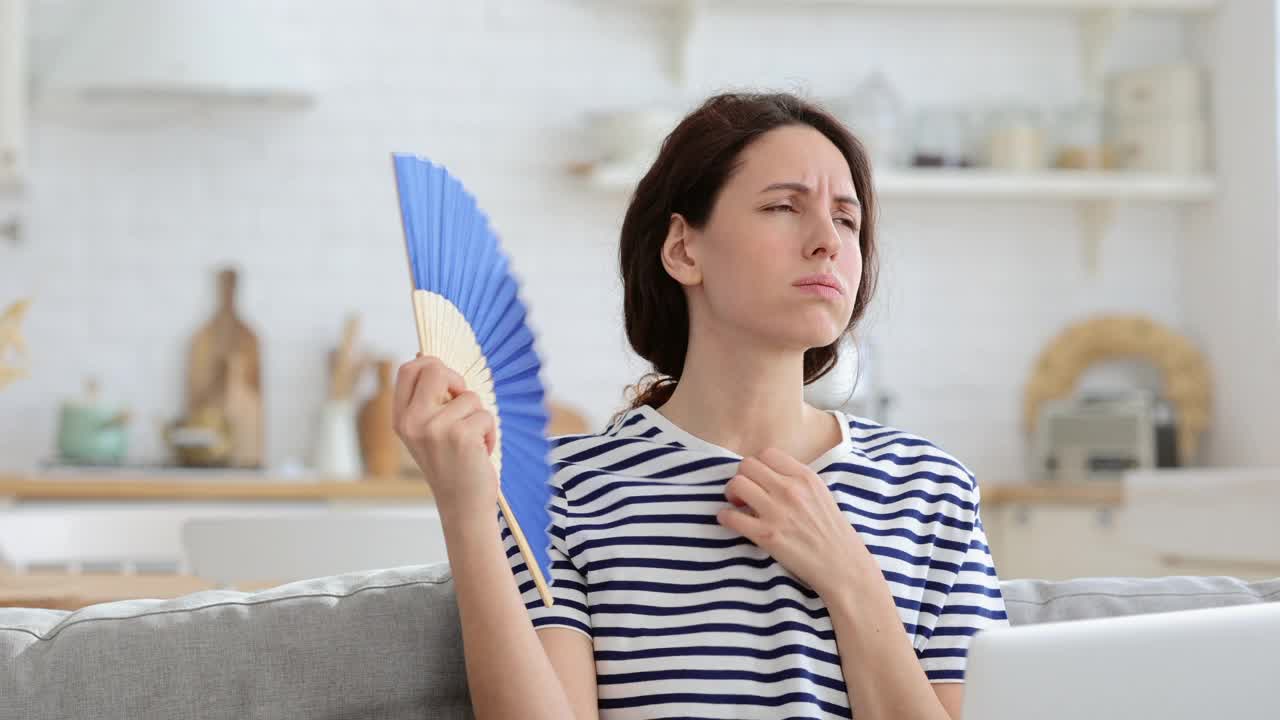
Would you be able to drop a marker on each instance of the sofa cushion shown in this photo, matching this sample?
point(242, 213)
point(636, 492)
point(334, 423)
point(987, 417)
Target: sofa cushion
point(377, 644)
point(1037, 601)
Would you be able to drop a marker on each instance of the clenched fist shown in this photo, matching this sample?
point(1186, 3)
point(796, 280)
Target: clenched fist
point(450, 435)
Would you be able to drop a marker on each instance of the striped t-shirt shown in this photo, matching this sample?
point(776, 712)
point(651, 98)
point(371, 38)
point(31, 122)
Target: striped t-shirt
point(690, 620)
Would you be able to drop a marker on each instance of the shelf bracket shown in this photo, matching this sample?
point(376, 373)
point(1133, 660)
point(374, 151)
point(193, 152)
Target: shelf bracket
point(11, 231)
point(11, 219)
point(684, 21)
point(1097, 29)
point(1095, 218)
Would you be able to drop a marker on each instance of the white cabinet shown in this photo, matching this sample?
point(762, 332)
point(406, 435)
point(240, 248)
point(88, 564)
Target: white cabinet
point(1053, 541)
point(1166, 522)
point(1219, 518)
point(13, 92)
point(146, 536)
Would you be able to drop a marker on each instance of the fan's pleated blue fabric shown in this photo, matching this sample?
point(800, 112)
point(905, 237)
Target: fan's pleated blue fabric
point(454, 252)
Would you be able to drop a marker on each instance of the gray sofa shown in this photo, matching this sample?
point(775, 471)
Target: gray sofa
point(378, 644)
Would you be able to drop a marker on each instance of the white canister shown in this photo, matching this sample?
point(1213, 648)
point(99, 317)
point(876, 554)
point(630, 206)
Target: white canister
point(1157, 119)
point(1157, 92)
point(631, 137)
point(336, 449)
point(1172, 146)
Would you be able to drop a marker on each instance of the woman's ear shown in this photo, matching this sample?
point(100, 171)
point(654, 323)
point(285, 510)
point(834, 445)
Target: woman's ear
point(679, 254)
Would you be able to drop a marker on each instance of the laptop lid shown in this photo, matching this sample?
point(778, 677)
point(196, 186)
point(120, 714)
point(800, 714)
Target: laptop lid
point(1192, 664)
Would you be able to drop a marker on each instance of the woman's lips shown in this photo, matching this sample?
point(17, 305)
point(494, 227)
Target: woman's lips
point(825, 285)
point(825, 291)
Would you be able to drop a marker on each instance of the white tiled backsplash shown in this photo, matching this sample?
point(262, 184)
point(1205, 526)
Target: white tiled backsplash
point(127, 217)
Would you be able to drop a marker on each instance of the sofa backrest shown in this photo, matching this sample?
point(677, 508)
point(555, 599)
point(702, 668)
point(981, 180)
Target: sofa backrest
point(1037, 601)
point(379, 644)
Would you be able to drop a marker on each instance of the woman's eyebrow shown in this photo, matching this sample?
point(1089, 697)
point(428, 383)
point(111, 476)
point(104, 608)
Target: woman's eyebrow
point(802, 188)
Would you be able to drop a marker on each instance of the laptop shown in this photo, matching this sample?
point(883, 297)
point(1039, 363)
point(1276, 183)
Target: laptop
point(1192, 664)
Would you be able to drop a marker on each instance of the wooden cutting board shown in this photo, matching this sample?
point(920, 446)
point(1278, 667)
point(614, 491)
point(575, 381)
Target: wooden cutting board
point(224, 370)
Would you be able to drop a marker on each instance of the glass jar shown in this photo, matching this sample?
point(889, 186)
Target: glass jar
point(1016, 140)
point(943, 137)
point(876, 115)
point(1079, 141)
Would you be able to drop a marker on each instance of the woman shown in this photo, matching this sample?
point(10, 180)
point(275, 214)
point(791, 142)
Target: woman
point(723, 549)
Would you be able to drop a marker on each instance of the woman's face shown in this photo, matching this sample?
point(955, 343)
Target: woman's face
point(783, 230)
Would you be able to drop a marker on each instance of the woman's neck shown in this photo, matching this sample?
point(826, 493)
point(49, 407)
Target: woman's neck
point(748, 401)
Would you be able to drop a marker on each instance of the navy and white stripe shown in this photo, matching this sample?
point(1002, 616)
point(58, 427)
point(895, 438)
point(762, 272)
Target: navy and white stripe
point(690, 620)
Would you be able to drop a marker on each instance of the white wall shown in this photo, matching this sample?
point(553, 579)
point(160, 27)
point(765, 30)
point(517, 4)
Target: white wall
point(1231, 277)
point(126, 220)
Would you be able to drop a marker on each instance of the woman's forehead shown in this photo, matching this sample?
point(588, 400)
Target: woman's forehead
point(794, 154)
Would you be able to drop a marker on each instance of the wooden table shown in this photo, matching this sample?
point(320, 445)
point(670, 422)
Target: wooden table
point(63, 591)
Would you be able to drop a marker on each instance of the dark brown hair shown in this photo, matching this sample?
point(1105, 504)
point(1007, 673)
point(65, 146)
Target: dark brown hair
point(693, 165)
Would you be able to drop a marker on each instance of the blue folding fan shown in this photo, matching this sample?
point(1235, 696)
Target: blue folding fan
point(469, 314)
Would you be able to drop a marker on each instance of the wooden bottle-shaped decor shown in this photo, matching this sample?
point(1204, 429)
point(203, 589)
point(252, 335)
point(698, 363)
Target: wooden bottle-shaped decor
point(243, 410)
point(378, 440)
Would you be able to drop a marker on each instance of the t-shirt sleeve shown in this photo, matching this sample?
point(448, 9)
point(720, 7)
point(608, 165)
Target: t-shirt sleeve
point(568, 585)
point(973, 604)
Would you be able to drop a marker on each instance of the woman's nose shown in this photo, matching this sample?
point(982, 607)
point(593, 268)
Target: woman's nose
point(824, 235)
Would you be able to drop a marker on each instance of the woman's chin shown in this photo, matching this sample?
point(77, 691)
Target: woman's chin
point(815, 338)
point(823, 332)
point(804, 329)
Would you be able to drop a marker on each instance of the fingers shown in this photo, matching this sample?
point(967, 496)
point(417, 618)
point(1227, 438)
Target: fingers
point(480, 424)
point(782, 463)
point(428, 378)
point(745, 492)
point(752, 528)
point(456, 411)
point(425, 368)
point(406, 378)
point(465, 421)
point(765, 476)
point(436, 384)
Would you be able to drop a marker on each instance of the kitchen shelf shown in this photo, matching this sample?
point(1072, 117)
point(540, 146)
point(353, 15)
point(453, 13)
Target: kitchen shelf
point(979, 184)
point(1174, 6)
point(1098, 20)
point(1048, 185)
point(1094, 193)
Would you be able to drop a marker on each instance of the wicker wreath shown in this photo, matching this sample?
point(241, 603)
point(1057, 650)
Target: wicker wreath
point(1110, 337)
point(10, 337)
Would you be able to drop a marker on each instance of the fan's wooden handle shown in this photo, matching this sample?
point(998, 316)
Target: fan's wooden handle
point(529, 560)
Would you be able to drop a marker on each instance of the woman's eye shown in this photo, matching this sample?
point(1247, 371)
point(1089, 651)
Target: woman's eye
point(787, 208)
point(848, 222)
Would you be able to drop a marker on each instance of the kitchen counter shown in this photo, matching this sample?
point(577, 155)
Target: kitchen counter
point(201, 486)
point(232, 486)
point(1083, 493)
